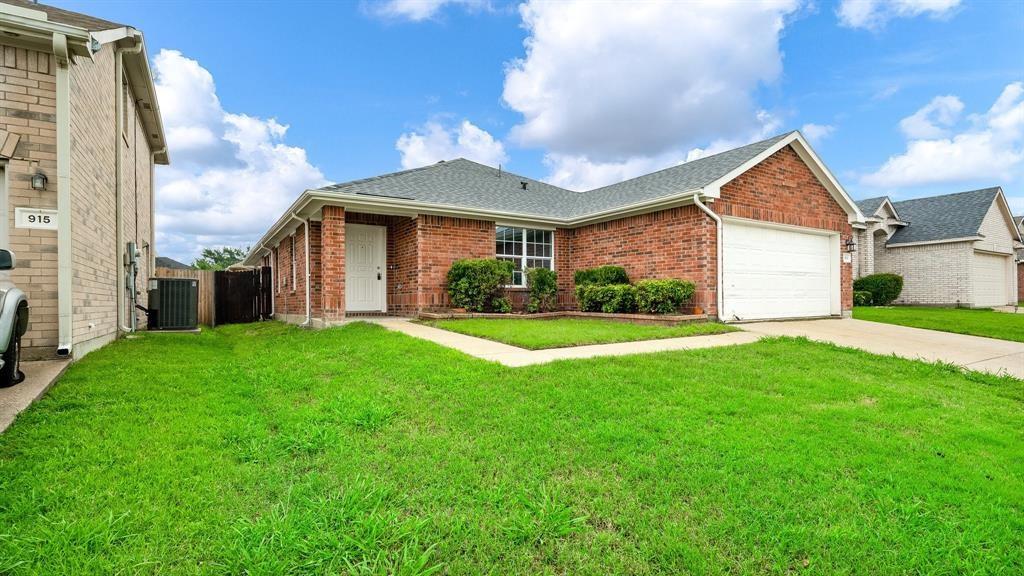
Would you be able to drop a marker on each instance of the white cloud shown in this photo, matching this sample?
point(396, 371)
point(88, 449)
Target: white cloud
point(612, 82)
point(232, 174)
point(991, 148)
point(419, 10)
point(580, 172)
point(817, 132)
point(434, 142)
point(874, 14)
point(934, 119)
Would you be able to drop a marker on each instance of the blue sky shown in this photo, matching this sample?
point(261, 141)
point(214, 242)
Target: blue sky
point(906, 98)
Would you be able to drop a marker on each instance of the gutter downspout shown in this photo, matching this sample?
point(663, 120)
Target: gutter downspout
point(718, 254)
point(152, 209)
point(122, 286)
point(309, 311)
point(64, 258)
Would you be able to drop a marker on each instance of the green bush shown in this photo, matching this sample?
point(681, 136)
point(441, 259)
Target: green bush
point(478, 285)
point(884, 288)
point(663, 296)
point(861, 298)
point(501, 304)
point(543, 284)
point(609, 298)
point(601, 276)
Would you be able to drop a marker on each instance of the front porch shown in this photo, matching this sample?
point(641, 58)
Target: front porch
point(369, 264)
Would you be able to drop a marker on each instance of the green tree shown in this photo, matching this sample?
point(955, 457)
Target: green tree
point(219, 258)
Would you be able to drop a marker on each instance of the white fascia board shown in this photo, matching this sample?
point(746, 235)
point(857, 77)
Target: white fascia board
point(927, 242)
point(888, 202)
point(38, 34)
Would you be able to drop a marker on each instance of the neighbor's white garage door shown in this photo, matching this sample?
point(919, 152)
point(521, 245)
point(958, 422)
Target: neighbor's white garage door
point(991, 284)
point(778, 273)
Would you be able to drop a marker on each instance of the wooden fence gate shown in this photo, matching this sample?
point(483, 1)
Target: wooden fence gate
point(242, 296)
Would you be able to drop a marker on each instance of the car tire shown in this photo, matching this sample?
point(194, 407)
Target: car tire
point(11, 373)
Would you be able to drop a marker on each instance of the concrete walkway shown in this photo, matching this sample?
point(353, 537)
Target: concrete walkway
point(39, 376)
point(513, 356)
point(973, 352)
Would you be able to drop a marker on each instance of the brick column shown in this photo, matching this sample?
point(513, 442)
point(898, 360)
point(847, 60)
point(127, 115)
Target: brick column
point(332, 262)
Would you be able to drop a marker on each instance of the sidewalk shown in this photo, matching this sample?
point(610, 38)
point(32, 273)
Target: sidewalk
point(513, 356)
point(39, 376)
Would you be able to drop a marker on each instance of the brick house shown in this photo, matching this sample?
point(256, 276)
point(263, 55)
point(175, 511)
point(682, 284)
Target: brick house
point(80, 131)
point(762, 231)
point(952, 250)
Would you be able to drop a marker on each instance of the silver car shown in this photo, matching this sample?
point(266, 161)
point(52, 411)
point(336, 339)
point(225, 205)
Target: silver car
point(13, 323)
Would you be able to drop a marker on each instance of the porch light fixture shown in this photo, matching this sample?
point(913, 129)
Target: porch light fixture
point(851, 246)
point(39, 181)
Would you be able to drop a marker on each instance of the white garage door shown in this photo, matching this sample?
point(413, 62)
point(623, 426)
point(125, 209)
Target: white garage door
point(778, 273)
point(990, 281)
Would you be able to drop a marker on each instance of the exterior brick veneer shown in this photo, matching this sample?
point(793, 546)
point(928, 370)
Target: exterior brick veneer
point(1020, 282)
point(678, 242)
point(441, 241)
point(332, 258)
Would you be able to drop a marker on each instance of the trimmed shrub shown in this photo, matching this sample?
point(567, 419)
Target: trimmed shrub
point(861, 298)
point(501, 304)
point(601, 276)
point(884, 288)
point(610, 298)
point(543, 284)
point(478, 285)
point(663, 296)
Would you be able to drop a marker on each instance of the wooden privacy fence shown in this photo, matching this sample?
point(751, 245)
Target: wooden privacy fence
point(206, 288)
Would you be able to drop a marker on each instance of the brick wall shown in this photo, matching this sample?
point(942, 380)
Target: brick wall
point(442, 240)
point(920, 267)
point(28, 109)
point(1020, 282)
point(332, 258)
point(783, 190)
point(674, 243)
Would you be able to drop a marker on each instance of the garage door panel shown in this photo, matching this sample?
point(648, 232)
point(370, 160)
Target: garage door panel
point(776, 273)
point(991, 280)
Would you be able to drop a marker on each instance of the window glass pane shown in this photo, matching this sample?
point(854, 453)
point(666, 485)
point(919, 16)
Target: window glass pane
point(538, 263)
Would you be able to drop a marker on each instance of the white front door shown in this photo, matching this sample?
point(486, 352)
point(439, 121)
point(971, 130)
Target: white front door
point(365, 281)
point(778, 272)
point(991, 282)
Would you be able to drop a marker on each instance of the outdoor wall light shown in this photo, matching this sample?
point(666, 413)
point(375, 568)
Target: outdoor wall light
point(39, 181)
point(851, 246)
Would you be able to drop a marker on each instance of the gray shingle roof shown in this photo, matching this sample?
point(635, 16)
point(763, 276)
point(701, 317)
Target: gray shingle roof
point(165, 262)
point(61, 16)
point(467, 184)
point(869, 206)
point(943, 217)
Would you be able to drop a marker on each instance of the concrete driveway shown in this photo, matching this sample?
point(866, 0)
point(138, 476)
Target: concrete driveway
point(973, 352)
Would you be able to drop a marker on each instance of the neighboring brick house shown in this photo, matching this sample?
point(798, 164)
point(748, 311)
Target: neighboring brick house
point(1019, 222)
point(771, 213)
point(81, 131)
point(952, 250)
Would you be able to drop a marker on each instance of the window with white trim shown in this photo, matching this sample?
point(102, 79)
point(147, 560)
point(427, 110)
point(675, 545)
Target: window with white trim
point(524, 248)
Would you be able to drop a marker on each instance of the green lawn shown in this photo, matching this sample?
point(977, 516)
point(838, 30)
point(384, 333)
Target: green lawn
point(562, 332)
point(267, 449)
point(988, 323)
